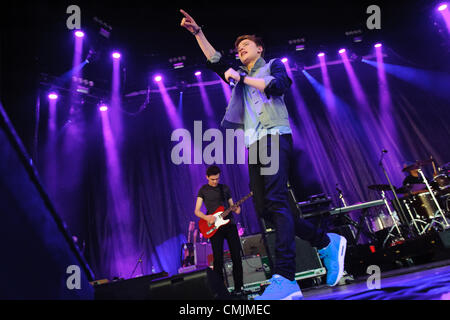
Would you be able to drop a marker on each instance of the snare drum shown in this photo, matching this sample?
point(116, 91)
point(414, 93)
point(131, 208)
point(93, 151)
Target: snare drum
point(424, 205)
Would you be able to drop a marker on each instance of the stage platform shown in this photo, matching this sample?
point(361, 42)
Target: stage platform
point(425, 282)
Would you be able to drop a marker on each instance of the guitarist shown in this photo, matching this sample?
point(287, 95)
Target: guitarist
point(213, 195)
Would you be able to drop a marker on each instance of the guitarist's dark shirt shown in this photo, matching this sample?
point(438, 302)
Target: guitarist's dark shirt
point(214, 198)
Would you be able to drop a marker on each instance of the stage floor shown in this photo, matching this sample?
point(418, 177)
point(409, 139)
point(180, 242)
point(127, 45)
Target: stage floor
point(424, 282)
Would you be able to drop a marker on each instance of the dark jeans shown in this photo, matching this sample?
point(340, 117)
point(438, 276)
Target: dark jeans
point(229, 232)
point(270, 197)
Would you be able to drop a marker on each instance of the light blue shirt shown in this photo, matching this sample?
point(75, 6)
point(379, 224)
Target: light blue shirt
point(252, 110)
point(252, 125)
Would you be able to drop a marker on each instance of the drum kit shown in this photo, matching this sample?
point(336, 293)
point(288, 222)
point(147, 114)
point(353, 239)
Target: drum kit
point(419, 208)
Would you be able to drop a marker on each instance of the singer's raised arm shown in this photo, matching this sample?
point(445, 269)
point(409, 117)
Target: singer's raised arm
point(215, 61)
point(189, 23)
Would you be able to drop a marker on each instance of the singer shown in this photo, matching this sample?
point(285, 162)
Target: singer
point(257, 105)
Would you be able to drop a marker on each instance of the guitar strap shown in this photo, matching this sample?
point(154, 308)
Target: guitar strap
point(223, 196)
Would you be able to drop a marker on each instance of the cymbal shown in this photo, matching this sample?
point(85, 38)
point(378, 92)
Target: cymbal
point(413, 188)
point(379, 187)
point(425, 162)
point(418, 164)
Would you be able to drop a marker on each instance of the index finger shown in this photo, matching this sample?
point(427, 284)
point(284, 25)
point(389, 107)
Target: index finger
point(185, 14)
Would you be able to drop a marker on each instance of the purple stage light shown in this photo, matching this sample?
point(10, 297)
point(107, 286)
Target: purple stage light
point(341, 51)
point(158, 78)
point(52, 96)
point(321, 54)
point(198, 73)
point(79, 34)
point(442, 7)
point(284, 60)
point(116, 55)
point(444, 10)
point(377, 45)
point(103, 108)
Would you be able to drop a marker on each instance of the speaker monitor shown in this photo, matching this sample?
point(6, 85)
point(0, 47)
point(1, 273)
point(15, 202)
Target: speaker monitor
point(445, 238)
point(203, 284)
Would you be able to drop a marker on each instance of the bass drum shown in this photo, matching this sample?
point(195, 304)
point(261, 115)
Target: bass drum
point(424, 206)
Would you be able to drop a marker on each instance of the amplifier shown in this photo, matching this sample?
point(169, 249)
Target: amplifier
point(253, 245)
point(253, 271)
point(196, 254)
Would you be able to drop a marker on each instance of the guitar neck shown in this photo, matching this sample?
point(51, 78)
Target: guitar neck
point(237, 204)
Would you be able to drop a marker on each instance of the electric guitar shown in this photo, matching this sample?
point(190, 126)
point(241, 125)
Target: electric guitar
point(208, 230)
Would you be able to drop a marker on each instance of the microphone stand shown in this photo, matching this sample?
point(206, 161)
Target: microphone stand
point(341, 195)
point(139, 262)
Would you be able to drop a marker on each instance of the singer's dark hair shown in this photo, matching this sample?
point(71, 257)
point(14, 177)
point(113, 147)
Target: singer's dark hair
point(212, 171)
point(251, 37)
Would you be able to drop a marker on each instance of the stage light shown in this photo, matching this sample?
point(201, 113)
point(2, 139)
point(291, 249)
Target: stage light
point(300, 47)
point(198, 73)
point(284, 60)
point(442, 7)
point(79, 34)
point(178, 65)
point(158, 78)
point(341, 51)
point(116, 55)
point(52, 96)
point(103, 107)
point(377, 45)
point(321, 54)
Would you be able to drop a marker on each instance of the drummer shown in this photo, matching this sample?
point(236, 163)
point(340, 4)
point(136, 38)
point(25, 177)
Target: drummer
point(413, 175)
point(413, 183)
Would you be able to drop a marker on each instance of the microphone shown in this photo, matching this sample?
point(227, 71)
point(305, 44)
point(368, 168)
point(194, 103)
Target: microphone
point(232, 82)
point(382, 156)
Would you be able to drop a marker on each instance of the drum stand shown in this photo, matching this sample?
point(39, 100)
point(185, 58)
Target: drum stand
point(415, 219)
point(441, 213)
point(395, 226)
point(401, 214)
